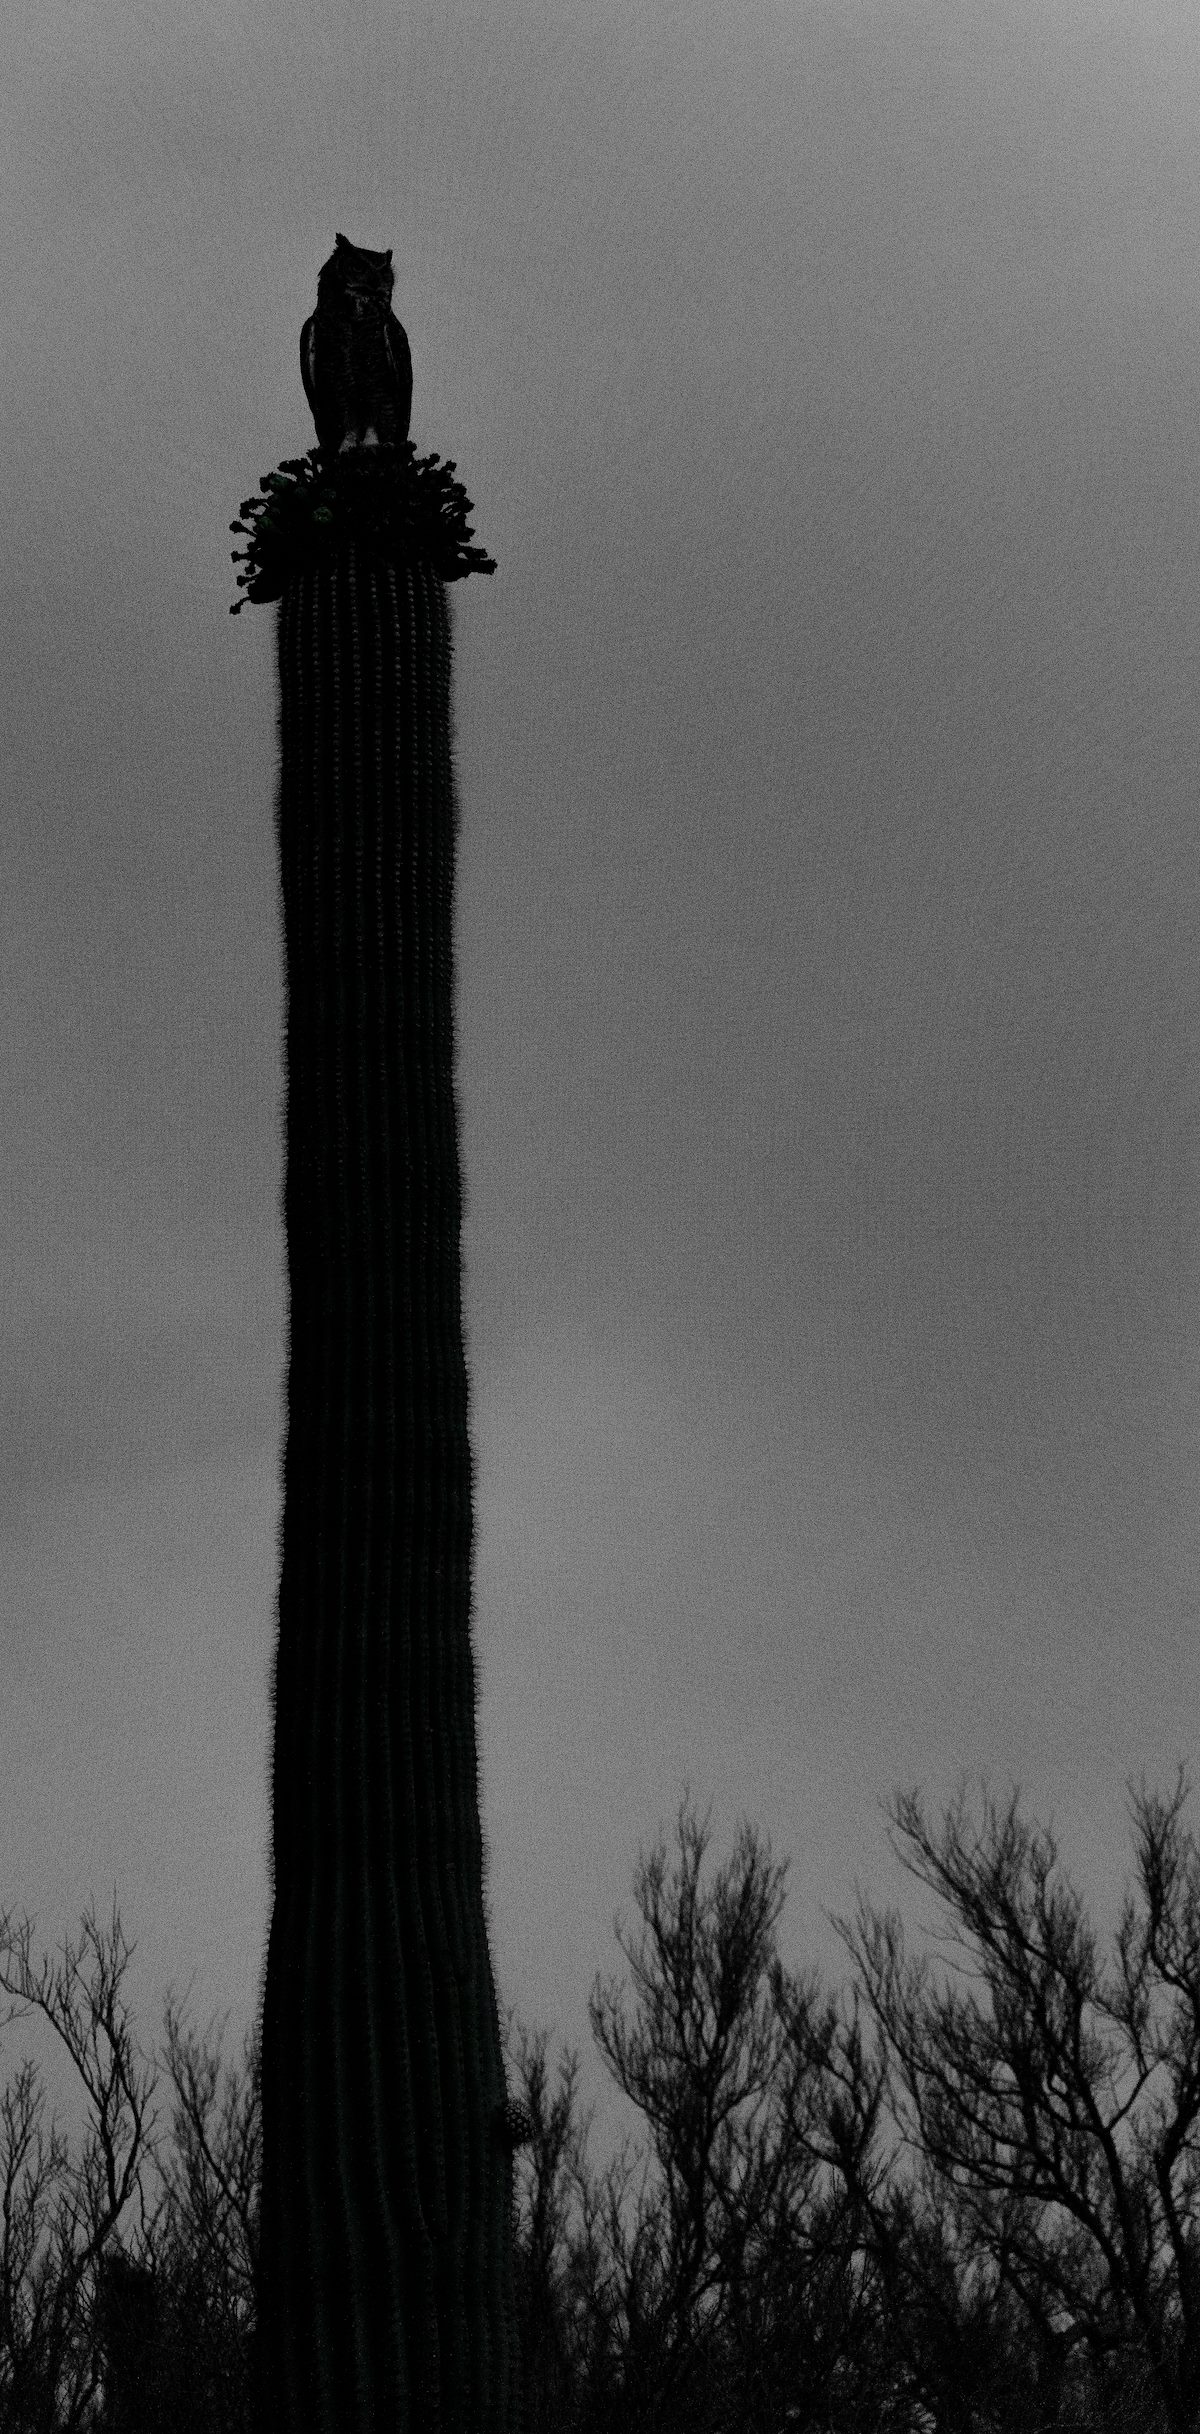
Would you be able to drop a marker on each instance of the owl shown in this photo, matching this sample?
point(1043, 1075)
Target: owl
point(354, 357)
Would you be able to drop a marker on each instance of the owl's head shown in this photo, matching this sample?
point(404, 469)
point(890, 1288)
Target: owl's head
point(356, 278)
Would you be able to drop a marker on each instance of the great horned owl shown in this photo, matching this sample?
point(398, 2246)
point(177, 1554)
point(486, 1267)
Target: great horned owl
point(354, 357)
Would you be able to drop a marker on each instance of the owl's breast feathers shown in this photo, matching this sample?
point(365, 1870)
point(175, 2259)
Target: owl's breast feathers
point(357, 378)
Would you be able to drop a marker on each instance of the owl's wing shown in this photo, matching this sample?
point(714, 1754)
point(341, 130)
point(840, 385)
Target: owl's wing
point(396, 339)
point(307, 362)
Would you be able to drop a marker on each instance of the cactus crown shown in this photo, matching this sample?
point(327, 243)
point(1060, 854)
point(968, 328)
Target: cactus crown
point(387, 497)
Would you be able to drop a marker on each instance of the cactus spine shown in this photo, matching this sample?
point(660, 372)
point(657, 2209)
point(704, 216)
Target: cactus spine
point(386, 2275)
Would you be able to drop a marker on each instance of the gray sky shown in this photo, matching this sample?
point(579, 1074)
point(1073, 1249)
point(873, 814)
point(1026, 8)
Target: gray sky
point(825, 379)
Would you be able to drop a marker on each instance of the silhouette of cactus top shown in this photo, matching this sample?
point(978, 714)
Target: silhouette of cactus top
point(385, 497)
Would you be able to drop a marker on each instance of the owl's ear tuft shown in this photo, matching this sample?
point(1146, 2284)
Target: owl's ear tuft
point(340, 239)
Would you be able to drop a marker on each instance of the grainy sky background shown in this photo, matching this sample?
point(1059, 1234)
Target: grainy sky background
point(826, 381)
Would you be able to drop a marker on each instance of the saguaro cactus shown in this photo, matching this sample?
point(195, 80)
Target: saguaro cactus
point(386, 2280)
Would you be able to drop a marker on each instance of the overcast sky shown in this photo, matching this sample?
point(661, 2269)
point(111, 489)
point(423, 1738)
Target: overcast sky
point(825, 378)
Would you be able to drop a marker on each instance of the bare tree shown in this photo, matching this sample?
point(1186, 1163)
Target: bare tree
point(724, 2288)
point(208, 2244)
point(1055, 2102)
point(49, 2253)
point(702, 2054)
point(216, 2184)
point(31, 2325)
point(116, 2312)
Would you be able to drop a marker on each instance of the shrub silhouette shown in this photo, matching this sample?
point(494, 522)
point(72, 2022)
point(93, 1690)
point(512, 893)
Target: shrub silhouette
point(847, 2216)
point(1055, 2102)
